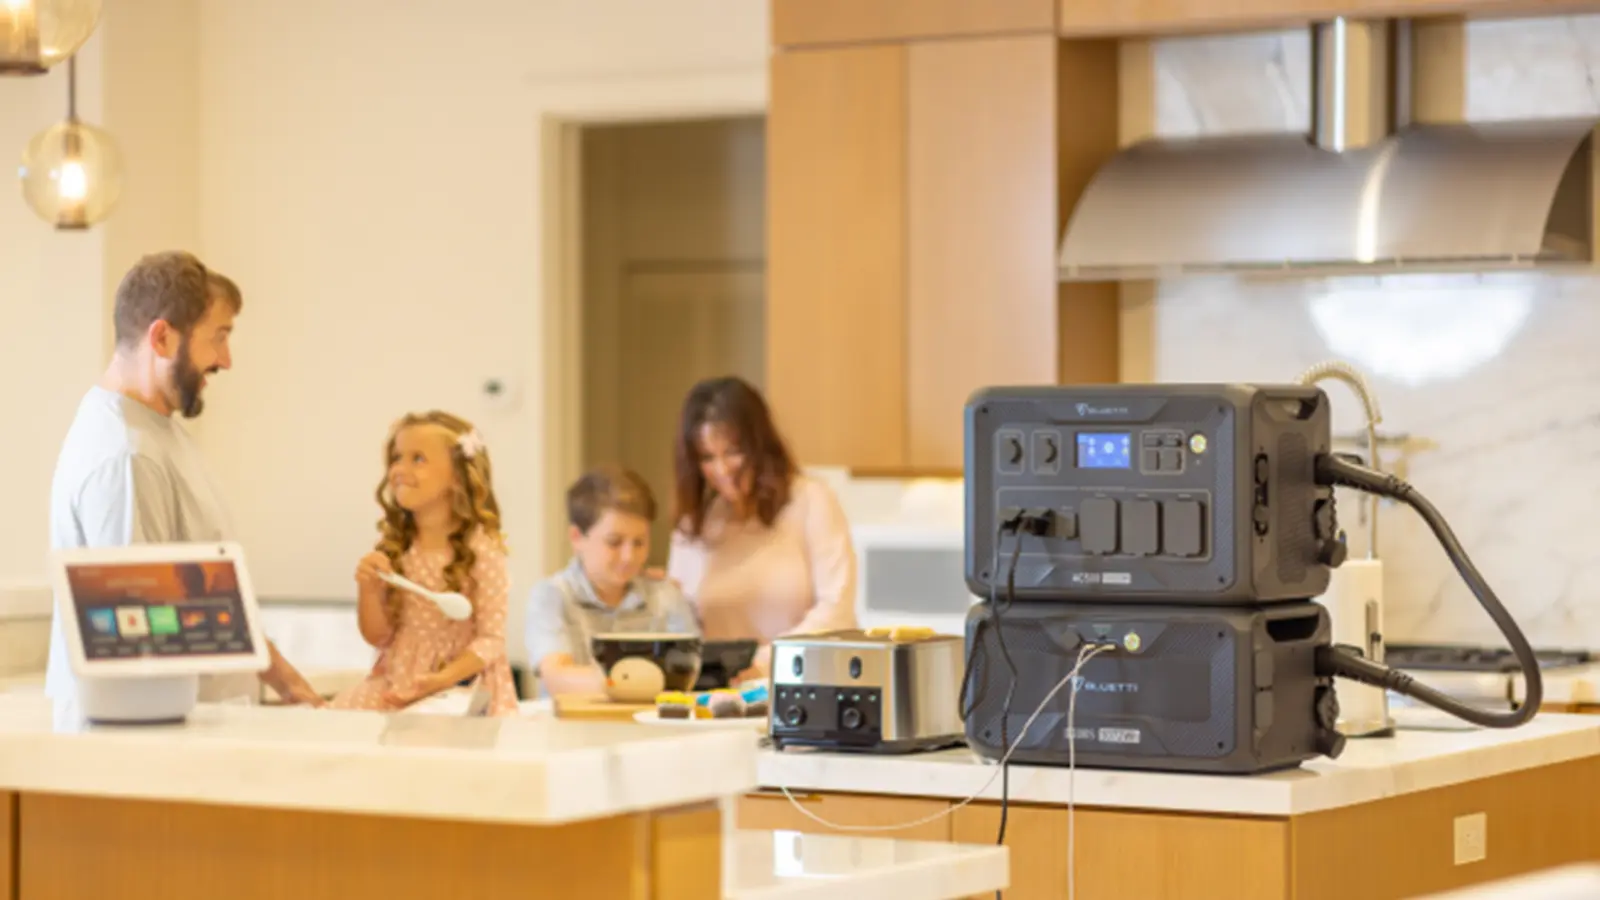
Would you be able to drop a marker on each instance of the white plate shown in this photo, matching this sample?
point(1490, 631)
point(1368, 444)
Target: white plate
point(653, 717)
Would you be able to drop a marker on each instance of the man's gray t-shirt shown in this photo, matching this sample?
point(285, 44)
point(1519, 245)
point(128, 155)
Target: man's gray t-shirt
point(129, 475)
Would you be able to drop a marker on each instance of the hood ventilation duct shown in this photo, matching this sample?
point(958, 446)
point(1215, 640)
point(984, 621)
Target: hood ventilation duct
point(1367, 192)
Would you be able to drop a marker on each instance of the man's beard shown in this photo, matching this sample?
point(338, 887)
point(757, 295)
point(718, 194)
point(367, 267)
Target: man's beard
point(186, 382)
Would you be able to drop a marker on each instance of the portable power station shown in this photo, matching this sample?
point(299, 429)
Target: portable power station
point(1153, 493)
point(1148, 555)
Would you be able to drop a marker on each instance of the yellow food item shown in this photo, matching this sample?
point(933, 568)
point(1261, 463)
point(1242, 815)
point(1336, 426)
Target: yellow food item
point(673, 697)
point(910, 633)
point(879, 631)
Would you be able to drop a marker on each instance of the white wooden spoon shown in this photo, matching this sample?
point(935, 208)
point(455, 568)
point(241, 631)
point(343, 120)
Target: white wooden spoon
point(453, 605)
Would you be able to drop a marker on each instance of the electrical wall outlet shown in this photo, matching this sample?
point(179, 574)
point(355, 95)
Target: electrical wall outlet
point(1472, 838)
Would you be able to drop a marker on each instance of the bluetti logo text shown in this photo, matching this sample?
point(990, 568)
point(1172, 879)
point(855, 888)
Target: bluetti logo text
point(1087, 409)
point(1085, 686)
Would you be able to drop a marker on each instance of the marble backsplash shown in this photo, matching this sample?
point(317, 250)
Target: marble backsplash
point(1498, 374)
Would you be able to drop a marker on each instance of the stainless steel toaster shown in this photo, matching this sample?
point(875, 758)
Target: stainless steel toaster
point(883, 691)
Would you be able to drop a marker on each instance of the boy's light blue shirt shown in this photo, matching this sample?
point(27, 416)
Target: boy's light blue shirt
point(564, 613)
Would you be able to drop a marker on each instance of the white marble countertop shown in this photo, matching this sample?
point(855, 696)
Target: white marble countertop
point(788, 865)
point(1447, 752)
point(532, 769)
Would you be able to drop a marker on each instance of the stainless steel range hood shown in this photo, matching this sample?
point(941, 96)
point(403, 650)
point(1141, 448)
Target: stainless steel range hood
point(1367, 192)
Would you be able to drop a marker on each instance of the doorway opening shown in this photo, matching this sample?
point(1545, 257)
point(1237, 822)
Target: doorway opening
point(673, 218)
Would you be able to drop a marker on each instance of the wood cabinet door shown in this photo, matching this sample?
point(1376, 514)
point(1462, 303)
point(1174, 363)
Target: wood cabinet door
point(679, 327)
point(1121, 854)
point(774, 812)
point(8, 845)
point(981, 277)
point(799, 22)
point(836, 231)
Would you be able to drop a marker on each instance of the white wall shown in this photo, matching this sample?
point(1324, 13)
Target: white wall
point(152, 108)
point(371, 176)
point(50, 294)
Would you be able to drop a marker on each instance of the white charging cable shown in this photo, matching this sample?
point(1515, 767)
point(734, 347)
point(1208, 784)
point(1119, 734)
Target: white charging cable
point(1086, 653)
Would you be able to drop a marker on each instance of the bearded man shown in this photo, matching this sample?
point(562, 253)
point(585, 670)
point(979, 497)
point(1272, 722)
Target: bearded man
point(129, 474)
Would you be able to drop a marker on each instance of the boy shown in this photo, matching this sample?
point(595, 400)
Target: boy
point(609, 511)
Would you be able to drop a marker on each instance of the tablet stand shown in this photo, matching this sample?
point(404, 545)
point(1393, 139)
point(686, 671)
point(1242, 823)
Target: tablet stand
point(137, 699)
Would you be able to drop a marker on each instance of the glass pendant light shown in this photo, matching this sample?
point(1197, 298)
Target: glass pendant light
point(37, 34)
point(72, 171)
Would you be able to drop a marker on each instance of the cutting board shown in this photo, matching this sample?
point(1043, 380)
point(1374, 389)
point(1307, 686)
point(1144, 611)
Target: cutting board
point(596, 706)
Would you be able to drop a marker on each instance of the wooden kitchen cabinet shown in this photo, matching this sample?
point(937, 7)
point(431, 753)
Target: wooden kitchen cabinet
point(981, 241)
point(836, 233)
point(8, 845)
point(912, 231)
point(1158, 17)
point(1200, 858)
point(802, 22)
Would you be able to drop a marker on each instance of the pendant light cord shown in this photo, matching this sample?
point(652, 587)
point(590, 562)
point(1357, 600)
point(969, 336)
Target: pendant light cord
point(72, 88)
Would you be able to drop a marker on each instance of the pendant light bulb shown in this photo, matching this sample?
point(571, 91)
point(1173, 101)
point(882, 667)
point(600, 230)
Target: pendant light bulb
point(36, 35)
point(72, 171)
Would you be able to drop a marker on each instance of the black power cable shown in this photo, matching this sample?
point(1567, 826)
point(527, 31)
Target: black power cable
point(1338, 470)
point(1016, 526)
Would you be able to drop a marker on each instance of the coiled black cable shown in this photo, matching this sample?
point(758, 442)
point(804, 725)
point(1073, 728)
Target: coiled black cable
point(1335, 470)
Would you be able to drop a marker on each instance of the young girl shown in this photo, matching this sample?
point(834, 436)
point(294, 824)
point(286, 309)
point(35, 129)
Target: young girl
point(440, 529)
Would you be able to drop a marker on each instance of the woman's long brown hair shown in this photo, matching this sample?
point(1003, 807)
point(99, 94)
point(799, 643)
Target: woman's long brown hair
point(472, 501)
point(734, 404)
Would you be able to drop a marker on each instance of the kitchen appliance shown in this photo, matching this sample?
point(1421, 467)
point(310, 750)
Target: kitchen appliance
point(1364, 190)
point(1468, 658)
point(1204, 515)
point(1484, 676)
point(911, 574)
point(1354, 597)
point(1191, 493)
point(1197, 688)
point(866, 691)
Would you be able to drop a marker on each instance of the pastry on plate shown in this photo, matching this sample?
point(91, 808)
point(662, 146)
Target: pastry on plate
point(725, 704)
point(674, 705)
point(755, 701)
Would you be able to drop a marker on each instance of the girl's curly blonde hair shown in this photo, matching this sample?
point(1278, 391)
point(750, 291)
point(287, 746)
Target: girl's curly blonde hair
point(472, 498)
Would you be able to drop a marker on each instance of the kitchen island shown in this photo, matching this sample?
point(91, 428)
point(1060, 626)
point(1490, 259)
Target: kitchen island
point(1440, 805)
point(247, 801)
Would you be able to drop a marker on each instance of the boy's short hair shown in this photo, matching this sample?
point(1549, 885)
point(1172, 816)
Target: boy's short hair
point(606, 489)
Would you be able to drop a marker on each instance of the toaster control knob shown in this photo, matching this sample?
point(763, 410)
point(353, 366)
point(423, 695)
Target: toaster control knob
point(794, 716)
point(850, 718)
point(855, 667)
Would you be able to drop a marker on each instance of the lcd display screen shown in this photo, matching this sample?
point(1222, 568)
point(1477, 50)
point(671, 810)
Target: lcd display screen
point(1105, 450)
point(129, 610)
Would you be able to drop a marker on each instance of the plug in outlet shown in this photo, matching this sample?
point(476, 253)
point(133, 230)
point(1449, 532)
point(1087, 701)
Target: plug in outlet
point(1472, 838)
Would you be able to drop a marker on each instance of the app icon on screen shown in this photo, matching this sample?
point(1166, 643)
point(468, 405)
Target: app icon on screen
point(224, 617)
point(163, 620)
point(131, 621)
point(103, 621)
point(193, 618)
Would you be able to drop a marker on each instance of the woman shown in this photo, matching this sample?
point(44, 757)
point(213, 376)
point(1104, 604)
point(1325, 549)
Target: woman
point(760, 549)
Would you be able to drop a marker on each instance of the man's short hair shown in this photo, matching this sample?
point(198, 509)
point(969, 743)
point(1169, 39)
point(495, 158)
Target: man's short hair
point(608, 488)
point(174, 287)
point(223, 288)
